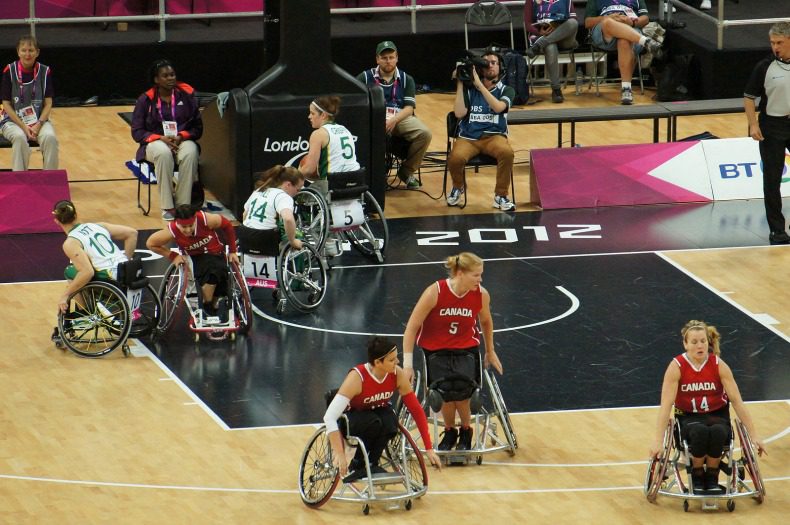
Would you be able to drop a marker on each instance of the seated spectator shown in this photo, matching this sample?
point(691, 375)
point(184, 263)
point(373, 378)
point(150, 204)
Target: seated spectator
point(26, 90)
point(483, 105)
point(552, 27)
point(166, 123)
point(399, 98)
point(615, 25)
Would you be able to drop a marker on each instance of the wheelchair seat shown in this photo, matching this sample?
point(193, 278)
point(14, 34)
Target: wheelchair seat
point(259, 242)
point(130, 274)
point(347, 184)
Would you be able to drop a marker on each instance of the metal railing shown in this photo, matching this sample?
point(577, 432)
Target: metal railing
point(719, 21)
point(162, 17)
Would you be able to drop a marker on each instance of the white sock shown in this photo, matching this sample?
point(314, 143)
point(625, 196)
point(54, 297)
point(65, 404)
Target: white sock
point(626, 85)
point(642, 40)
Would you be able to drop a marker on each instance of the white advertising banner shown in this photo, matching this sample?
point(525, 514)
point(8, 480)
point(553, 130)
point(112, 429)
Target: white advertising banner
point(735, 169)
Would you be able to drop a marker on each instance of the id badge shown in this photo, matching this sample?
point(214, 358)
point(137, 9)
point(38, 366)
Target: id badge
point(170, 127)
point(28, 115)
point(392, 111)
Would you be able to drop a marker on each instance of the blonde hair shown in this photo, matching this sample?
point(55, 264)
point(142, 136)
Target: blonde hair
point(713, 335)
point(463, 262)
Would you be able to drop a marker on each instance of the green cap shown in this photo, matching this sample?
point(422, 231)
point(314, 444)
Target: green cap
point(383, 46)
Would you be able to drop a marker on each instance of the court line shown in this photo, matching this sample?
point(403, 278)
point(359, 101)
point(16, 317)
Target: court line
point(90, 483)
point(756, 317)
point(574, 306)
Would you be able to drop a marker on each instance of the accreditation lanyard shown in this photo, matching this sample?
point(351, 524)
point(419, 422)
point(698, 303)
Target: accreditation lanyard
point(170, 127)
point(394, 84)
point(27, 113)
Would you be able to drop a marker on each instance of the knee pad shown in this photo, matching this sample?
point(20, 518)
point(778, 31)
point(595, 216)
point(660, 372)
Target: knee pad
point(718, 437)
point(454, 388)
point(698, 439)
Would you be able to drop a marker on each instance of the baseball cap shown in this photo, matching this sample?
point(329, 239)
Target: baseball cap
point(387, 44)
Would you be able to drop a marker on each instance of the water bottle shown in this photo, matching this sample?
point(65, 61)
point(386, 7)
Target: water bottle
point(579, 81)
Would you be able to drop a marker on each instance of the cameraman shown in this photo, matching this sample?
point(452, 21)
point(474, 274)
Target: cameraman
point(483, 108)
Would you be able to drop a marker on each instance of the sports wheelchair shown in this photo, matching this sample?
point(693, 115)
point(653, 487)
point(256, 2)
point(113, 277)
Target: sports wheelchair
point(297, 277)
point(104, 313)
point(491, 424)
point(670, 473)
point(342, 205)
point(179, 288)
point(406, 478)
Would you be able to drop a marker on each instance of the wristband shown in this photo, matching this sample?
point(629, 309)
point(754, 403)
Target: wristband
point(408, 359)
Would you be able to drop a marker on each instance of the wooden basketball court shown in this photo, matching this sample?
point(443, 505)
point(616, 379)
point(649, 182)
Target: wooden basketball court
point(119, 440)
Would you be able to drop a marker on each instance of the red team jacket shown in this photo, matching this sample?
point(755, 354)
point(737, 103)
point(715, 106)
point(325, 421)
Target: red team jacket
point(374, 394)
point(205, 239)
point(453, 321)
point(699, 391)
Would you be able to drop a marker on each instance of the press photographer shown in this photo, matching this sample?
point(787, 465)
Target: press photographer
point(482, 105)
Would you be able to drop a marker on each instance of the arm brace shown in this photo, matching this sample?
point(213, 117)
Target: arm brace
point(410, 400)
point(334, 411)
point(230, 233)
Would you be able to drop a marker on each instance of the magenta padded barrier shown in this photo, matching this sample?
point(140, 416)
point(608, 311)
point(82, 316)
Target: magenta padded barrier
point(27, 197)
point(621, 175)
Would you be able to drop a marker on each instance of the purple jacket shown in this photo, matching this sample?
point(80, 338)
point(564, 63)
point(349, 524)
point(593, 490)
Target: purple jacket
point(147, 117)
point(546, 9)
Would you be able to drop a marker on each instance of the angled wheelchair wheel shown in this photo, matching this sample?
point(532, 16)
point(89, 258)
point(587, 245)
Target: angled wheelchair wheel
point(171, 294)
point(750, 461)
point(240, 298)
point(404, 456)
point(501, 411)
point(301, 276)
point(311, 213)
point(145, 317)
point(372, 237)
point(657, 468)
point(318, 477)
point(97, 321)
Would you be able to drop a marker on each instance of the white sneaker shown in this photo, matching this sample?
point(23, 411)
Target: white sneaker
point(705, 5)
point(503, 203)
point(626, 97)
point(454, 197)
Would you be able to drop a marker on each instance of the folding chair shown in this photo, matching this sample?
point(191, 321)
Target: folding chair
point(599, 55)
point(488, 13)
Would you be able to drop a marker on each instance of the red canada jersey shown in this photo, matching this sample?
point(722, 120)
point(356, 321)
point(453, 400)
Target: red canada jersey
point(205, 240)
point(374, 393)
point(453, 321)
point(700, 389)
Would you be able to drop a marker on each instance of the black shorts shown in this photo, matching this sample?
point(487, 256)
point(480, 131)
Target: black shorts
point(208, 268)
point(455, 373)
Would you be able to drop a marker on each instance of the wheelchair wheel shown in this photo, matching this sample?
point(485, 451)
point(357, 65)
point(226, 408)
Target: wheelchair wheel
point(372, 237)
point(501, 412)
point(318, 478)
point(171, 295)
point(301, 276)
point(657, 468)
point(312, 217)
point(240, 298)
point(750, 460)
point(146, 318)
point(403, 453)
point(97, 321)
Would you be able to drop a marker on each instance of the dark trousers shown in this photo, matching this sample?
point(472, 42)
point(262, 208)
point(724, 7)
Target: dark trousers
point(375, 428)
point(776, 131)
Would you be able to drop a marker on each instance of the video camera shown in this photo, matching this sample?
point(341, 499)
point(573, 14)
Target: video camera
point(470, 61)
